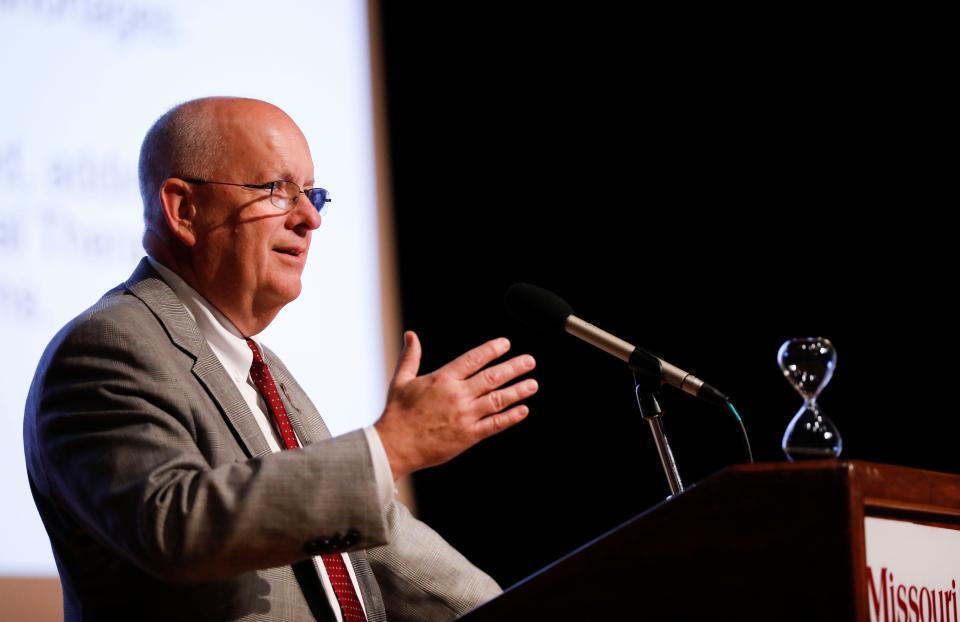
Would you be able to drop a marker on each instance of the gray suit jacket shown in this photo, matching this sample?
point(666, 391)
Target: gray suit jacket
point(163, 501)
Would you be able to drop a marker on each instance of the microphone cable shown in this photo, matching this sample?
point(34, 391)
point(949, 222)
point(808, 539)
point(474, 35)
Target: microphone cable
point(743, 432)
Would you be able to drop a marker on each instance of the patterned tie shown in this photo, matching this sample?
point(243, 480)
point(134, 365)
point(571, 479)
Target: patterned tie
point(336, 569)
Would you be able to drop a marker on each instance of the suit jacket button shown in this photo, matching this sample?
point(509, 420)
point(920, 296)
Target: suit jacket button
point(351, 539)
point(314, 547)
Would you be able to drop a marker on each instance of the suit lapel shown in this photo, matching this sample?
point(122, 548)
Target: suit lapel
point(304, 417)
point(296, 420)
point(211, 374)
point(147, 285)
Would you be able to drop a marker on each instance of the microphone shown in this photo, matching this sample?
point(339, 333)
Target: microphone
point(539, 307)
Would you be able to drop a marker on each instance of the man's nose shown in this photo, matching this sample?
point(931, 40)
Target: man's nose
point(304, 214)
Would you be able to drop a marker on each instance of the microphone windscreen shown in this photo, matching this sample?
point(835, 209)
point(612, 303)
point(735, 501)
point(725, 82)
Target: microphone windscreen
point(537, 306)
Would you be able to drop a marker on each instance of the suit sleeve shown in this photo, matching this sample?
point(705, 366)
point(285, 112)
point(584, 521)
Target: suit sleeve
point(113, 433)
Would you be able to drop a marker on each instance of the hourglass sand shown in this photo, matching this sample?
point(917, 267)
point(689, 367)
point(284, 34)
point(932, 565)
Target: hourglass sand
point(808, 364)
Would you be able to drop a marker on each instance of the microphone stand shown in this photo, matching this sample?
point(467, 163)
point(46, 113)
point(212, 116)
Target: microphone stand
point(646, 389)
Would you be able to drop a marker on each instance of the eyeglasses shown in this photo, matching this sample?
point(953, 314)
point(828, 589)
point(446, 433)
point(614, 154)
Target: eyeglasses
point(283, 193)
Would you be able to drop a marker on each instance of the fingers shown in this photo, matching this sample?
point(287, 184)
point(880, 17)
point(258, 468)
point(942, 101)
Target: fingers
point(494, 377)
point(408, 364)
point(488, 426)
point(495, 401)
point(474, 360)
point(485, 383)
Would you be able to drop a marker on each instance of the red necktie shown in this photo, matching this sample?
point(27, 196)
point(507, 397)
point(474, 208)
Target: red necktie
point(336, 569)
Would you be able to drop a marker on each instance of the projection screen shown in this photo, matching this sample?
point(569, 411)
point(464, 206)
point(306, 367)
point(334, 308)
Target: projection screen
point(83, 80)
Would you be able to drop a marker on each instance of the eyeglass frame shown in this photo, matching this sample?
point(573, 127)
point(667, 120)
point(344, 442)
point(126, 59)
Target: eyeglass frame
point(271, 186)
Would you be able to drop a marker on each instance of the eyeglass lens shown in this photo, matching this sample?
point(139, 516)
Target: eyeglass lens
point(285, 193)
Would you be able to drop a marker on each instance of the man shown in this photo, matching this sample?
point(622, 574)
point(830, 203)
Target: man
point(181, 472)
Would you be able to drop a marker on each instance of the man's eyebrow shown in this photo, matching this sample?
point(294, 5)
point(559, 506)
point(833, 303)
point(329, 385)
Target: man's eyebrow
point(288, 176)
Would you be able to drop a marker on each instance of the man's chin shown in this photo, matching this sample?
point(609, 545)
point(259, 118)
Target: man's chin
point(287, 293)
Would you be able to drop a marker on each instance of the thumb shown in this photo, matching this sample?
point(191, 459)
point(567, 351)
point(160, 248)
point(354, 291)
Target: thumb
point(409, 362)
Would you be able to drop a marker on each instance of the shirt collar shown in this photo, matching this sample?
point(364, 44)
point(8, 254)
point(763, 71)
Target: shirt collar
point(226, 341)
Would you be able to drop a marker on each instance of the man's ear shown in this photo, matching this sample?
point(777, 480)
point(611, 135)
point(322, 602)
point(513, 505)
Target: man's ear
point(178, 210)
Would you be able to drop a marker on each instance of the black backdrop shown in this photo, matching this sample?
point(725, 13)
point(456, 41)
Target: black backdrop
point(704, 185)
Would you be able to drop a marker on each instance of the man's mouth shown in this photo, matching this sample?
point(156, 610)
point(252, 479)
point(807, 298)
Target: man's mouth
point(293, 252)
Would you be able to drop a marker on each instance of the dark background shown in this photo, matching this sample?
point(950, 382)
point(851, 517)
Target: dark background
point(706, 185)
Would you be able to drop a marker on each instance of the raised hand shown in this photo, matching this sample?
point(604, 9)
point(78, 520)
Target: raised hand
point(429, 419)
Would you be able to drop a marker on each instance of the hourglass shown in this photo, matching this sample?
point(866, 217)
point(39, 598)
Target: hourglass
point(808, 363)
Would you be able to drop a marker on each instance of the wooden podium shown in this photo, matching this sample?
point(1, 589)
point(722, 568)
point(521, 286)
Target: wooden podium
point(784, 541)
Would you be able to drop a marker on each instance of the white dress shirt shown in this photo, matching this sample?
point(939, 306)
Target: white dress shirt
point(230, 347)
